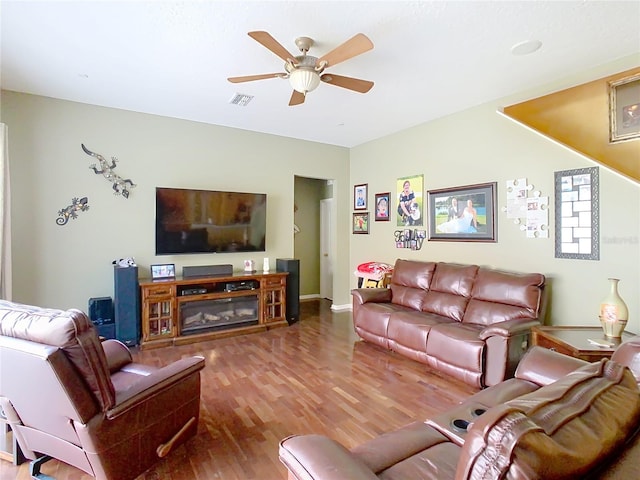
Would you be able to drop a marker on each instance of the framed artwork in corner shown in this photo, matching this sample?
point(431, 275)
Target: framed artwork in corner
point(360, 197)
point(361, 222)
point(382, 206)
point(163, 271)
point(463, 214)
point(624, 109)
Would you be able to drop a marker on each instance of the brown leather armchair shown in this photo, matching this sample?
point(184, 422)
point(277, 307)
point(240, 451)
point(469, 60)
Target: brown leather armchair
point(70, 396)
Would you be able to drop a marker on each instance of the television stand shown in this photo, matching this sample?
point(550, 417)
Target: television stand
point(189, 310)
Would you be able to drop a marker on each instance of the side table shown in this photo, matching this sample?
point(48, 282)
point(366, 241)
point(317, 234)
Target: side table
point(574, 341)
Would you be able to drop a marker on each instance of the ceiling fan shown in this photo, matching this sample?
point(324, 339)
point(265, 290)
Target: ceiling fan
point(305, 72)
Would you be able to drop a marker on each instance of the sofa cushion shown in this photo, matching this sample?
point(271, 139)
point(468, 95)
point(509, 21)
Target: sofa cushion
point(498, 296)
point(450, 290)
point(410, 282)
point(564, 430)
point(457, 344)
point(393, 447)
point(408, 332)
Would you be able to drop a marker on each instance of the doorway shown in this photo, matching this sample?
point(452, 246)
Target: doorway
point(326, 255)
point(313, 236)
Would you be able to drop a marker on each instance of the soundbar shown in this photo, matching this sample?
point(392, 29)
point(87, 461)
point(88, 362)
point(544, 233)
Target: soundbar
point(207, 271)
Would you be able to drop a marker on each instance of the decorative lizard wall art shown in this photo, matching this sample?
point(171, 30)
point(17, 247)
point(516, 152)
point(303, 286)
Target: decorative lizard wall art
point(121, 185)
point(71, 211)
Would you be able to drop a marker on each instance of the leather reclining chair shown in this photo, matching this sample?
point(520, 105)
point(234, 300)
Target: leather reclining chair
point(69, 396)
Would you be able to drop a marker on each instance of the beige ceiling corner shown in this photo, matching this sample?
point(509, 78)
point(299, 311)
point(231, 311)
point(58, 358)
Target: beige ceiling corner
point(579, 118)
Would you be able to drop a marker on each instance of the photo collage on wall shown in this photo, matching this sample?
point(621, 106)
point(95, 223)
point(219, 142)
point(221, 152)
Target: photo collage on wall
point(408, 205)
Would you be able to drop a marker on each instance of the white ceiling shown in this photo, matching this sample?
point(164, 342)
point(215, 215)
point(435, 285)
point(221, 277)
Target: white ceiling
point(430, 58)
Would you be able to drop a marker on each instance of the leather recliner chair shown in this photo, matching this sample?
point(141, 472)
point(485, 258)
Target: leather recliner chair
point(69, 396)
point(558, 418)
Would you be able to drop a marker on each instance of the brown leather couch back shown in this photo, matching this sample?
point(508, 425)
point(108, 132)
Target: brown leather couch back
point(410, 282)
point(500, 296)
point(629, 354)
point(467, 293)
point(450, 290)
point(70, 330)
point(565, 430)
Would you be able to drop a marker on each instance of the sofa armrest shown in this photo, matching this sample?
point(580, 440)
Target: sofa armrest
point(371, 295)
point(117, 353)
point(508, 328)
point(309, 457)
point(154, 383)
point(543, 366)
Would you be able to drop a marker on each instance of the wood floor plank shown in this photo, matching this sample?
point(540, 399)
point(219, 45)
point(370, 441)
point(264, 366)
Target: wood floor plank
point(315, 376)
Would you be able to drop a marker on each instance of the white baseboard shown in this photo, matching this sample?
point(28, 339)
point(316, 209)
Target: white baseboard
point(313, 296)
point(341, 308)
point(334, 308)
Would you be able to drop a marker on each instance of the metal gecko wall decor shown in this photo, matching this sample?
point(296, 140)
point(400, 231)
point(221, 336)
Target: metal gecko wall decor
point(71, 211)
point(121, 185)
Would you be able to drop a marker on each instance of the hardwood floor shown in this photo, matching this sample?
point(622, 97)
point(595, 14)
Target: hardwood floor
point(315, 376)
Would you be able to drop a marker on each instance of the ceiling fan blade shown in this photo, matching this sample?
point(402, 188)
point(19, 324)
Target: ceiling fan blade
point(272, 44)
point(251, 78)
point(355, 84)
point(297, 98)
point(356, 45)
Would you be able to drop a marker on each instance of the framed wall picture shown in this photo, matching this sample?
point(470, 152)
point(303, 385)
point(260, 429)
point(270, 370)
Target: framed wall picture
point(164, 270)
point(360, 197)
point(361, 222)
point(577, 214)
point(463, 214)
point(624, 109)
point(410, 201)
point(382, 206)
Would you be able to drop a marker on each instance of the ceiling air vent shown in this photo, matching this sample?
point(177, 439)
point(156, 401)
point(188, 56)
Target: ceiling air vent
point(240, 99)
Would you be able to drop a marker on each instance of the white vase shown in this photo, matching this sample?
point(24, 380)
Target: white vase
point(614, 313)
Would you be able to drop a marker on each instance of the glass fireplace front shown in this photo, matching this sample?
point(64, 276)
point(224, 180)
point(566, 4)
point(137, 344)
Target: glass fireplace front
point(199, 316)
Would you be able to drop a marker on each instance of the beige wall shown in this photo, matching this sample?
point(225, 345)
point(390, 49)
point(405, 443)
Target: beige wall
point(63, 266)
point(479, 145)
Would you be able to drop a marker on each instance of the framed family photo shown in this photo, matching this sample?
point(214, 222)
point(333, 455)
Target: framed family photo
point(463, 214)
point(361, 222)
point(624, 109)
point(360, 197)
point(410, 201)
point(382, 206)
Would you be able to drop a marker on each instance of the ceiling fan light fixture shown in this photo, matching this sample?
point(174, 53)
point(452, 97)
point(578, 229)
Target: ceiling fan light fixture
point(304, 80)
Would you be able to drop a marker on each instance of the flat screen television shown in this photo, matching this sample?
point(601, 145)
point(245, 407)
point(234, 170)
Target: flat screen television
point(204, 221)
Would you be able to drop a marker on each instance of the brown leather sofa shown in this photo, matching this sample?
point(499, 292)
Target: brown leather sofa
point(472, 323)
point(559, 418)
point(70, 396)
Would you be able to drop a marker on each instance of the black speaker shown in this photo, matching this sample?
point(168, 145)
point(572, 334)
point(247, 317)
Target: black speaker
point(292, 266)
point(126, 302)
point(101, 314)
